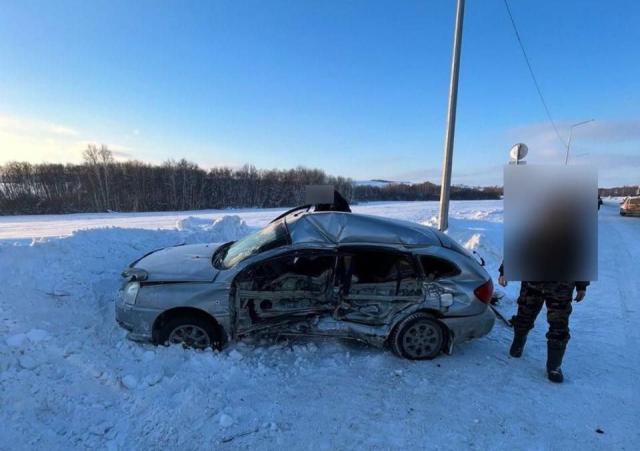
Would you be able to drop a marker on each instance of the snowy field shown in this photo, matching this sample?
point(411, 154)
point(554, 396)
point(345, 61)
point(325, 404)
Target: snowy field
point(70, 380)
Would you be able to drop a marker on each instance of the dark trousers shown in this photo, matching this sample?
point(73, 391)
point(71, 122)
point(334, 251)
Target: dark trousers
point(557, 296)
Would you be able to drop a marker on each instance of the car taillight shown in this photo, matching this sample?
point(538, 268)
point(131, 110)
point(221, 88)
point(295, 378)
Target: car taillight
point(484, 291)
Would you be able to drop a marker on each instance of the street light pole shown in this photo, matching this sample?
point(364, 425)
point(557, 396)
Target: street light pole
point(566, 158)
point(445, 188)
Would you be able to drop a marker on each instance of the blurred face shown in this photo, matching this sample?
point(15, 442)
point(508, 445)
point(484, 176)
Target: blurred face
point(550, 223)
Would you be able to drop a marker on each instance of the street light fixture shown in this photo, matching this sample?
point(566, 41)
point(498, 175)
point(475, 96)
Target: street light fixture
point(566, 158)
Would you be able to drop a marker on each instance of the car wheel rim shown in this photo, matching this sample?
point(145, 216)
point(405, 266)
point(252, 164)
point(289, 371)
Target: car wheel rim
point(421, 340)
point(190, 336)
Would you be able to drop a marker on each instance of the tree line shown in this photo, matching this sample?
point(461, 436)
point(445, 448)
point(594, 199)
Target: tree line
point(102, 184)
point(620, 191)
point(423, 191)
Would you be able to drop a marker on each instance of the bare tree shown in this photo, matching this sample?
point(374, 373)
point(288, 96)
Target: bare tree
point(99, 160)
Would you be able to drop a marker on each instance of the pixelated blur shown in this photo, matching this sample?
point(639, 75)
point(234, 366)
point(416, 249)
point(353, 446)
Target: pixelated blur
point(319, 194)
point(550, 219)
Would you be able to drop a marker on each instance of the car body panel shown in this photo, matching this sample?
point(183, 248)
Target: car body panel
point(136, 320)
point(185, 263)
point(347, 228)
point(465, 328)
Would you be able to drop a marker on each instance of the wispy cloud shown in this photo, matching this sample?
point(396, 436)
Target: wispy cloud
point(14, 125)
point(605, 161)
point(613, 147)
point(545, 146)
point(611, 132)
point(36, 140)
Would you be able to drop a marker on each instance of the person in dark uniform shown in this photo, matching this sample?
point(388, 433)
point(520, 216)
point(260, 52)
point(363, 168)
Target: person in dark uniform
point(558, 297)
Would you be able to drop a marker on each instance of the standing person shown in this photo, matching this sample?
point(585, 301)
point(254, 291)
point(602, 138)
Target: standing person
point(558, 297)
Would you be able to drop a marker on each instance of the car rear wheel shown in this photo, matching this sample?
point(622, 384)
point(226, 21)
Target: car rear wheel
point(417, 337)
point(190, 332)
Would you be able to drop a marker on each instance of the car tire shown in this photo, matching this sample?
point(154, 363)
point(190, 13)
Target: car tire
point(191, 331)
point(418, 337)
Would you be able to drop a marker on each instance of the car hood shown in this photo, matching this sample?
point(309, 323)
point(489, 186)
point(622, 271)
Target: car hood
point(186, 263)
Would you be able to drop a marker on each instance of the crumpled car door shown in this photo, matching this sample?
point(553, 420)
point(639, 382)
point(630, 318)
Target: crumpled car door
point(376, 285)
point(283, 290)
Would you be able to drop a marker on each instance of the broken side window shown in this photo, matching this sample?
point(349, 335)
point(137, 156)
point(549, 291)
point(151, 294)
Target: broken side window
point(436, 268)
point(382, 273)
point(290, 273)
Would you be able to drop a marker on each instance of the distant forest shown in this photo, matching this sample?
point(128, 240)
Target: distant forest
point(422, 191)
point(620, 191)
point(102, 184)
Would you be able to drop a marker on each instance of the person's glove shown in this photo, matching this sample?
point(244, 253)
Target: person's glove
point(580, 294)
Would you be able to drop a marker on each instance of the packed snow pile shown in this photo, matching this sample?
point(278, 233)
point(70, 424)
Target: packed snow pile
point(69, 379)
point(227, 228)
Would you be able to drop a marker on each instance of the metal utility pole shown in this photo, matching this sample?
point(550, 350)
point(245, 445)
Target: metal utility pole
point(566, 158)
point(445, 188)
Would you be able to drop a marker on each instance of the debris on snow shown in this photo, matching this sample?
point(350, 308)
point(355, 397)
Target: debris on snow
point(37, 335)
point(16, 340)
point(27, 362)
point(71, 348)
point(148, 356)
point(225, 420)
point(153, 379)
point(230, 438)
point(100, 429)
point(270, 426)
point(129, 381)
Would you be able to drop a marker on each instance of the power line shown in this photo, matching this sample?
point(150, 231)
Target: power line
point(533, 76)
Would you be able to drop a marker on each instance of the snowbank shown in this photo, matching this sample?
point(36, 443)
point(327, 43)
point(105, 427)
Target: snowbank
point(227, 228)
point(69, 379)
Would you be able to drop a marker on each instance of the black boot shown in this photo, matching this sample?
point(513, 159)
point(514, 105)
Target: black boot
point(554, 361)
point(519, 339)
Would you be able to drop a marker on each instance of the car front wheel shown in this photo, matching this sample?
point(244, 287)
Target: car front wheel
point(190, 332)
point(417, 337)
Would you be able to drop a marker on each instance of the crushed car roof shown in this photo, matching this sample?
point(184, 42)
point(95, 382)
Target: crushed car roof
point(349, 228)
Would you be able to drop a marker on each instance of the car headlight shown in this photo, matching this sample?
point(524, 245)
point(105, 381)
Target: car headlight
point(131, 292)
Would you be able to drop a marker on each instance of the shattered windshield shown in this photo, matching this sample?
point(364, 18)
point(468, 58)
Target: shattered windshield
point(272, 236)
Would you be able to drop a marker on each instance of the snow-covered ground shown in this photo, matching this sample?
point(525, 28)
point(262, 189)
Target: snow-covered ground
point(70, 380)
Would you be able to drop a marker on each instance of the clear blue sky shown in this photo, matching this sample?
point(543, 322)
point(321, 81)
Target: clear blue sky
point(357, 88)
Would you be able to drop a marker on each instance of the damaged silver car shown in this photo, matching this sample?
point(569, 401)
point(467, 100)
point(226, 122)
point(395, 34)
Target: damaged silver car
point(337, 274)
